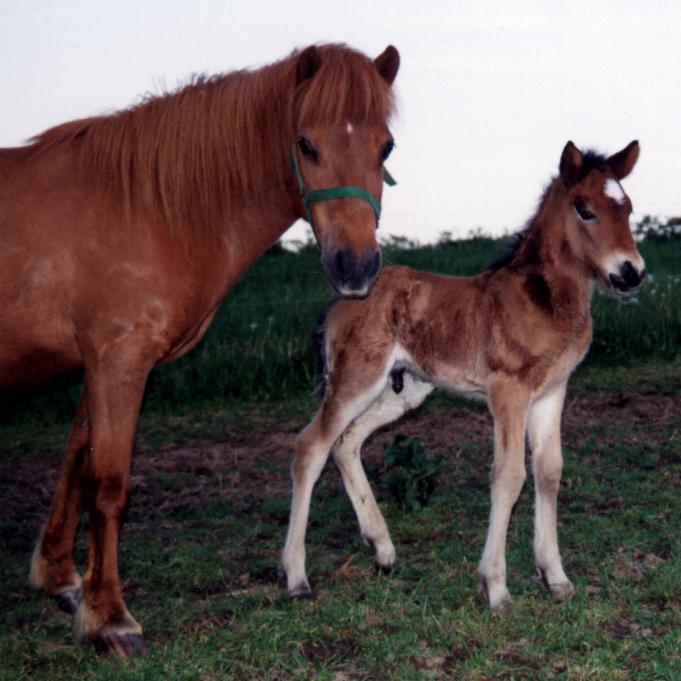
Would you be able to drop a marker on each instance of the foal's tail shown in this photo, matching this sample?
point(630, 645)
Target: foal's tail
point(319, 345)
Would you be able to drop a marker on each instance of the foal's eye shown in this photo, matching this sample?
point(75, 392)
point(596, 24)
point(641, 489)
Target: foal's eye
point(387, 150)
point(582, 208)
point(306, 149)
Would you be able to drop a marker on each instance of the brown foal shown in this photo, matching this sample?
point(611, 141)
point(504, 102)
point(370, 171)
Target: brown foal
point(511, 335)
point(121, 235)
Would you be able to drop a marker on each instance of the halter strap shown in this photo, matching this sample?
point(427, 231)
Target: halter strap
point(310, 196)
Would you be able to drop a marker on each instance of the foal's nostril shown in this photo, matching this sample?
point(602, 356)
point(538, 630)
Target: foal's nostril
point(630, 274)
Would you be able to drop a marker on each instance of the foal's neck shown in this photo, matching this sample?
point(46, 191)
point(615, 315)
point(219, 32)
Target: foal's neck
point(546, 251)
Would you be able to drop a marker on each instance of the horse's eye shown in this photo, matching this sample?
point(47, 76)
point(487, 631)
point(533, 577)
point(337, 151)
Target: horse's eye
point(307, 149)
point(387, 149)
point(582, 208)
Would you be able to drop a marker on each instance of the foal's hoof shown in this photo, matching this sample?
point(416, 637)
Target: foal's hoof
point(562, 592)
point(120, 644)
point(301, 592)
point(502, 606)
point(68, 600)
point(382, 569)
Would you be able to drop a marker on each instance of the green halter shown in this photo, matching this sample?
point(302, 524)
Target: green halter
point(314, 195)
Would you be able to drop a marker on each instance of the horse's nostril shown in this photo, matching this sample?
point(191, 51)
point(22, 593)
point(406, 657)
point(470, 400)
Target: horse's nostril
point(374, 265)
point(342, 263)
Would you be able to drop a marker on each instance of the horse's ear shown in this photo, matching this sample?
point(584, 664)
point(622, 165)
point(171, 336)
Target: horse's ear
point(308, 64)
point(388, 63)
point(623, 162)
point(570, 163)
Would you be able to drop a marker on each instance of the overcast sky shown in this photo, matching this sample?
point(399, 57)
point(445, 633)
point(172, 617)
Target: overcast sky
point(489, 92)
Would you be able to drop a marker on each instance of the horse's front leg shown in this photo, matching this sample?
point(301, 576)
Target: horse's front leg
point(114, 387)
point(508, 402)
point(547, 465)
point(52, 566)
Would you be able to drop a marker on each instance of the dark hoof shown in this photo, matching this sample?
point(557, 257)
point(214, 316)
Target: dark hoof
point(301, 592)
point(382, 569)
point(120, 644)
point(69, 599)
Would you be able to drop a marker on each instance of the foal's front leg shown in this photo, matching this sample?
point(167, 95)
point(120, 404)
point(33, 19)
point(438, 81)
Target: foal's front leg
point(508, 402)
point(547, 465)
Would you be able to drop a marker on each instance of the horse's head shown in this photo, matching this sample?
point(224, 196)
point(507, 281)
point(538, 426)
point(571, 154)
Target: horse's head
point(342, 138)
point(599, 233)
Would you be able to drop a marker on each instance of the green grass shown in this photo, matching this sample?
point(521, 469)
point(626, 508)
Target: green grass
point(198, 557)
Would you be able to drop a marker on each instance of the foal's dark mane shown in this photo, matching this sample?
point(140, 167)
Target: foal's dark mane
point(524, 244)
point(192, 154)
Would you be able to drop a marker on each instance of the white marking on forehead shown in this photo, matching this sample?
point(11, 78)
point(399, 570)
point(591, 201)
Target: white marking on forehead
point(349, 128)
point(614, 190)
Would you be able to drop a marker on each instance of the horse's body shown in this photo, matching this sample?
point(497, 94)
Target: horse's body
point(512, 335)
point(122, 234)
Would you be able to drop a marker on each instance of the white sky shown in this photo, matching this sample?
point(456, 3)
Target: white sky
point(489, 92)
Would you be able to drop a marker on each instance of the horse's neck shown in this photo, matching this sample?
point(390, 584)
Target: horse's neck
point(251, 230)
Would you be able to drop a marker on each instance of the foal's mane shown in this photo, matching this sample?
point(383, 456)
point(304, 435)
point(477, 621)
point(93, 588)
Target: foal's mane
point(191, 155)
point(523, 246)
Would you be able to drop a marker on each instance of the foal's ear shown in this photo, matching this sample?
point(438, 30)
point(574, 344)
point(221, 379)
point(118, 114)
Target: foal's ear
point(308, 64)
point(623, 162)
point(388, 63)
point(570, 163)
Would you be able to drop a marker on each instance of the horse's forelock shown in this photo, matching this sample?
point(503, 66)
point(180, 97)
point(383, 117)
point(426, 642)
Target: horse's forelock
point(347, 87)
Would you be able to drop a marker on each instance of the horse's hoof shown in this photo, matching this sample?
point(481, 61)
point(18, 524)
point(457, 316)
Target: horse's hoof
point(562, 592)
point(301, 592)
point(68, 600)
point(120, 644)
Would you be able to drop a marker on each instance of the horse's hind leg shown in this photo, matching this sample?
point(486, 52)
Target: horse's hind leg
point(547, 465)
point(387, 407)
point(312, 451)
point(52, 566)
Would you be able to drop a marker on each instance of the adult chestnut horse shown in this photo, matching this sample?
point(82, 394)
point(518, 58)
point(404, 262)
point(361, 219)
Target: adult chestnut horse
point(121, 234)
point(511, 335)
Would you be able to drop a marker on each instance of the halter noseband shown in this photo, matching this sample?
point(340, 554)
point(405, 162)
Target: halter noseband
point(310, 196)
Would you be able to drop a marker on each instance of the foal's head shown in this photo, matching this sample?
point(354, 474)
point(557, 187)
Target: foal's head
point(342, 108)
point(598, 229)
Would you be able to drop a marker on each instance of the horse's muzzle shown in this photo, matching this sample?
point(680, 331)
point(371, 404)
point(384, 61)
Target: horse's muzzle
point(353, 277)
point(628, 277)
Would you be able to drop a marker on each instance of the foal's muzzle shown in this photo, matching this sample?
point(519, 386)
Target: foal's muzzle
point(628, 277)
point(353, 277)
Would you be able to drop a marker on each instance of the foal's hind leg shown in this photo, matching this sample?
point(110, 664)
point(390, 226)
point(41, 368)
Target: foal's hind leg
point(547, 464)
point(312, 451)
point(52, 566)
point(387, 407)
point(508, 402)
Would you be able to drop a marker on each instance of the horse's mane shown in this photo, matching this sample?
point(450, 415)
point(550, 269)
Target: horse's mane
point(190, 155)
point(523, 245)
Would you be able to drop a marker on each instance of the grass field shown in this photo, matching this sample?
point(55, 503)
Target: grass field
point(211, 495)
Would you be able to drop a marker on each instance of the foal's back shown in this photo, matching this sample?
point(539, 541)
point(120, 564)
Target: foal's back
point(457, 331)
